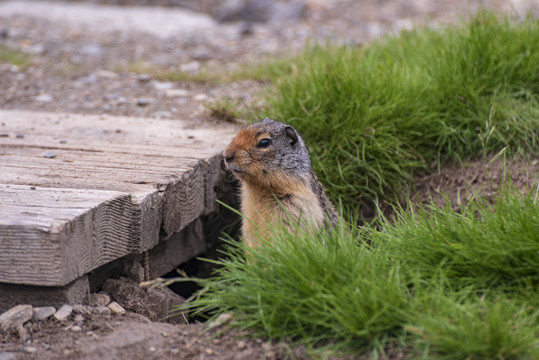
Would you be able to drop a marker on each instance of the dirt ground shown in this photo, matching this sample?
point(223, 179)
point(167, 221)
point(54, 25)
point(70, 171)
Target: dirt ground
point(80, 63)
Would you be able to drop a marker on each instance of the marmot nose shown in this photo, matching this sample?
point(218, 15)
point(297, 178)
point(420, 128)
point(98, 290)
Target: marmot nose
point(229, 157)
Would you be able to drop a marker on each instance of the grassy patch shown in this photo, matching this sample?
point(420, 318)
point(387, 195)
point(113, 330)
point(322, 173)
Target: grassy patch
point(440, 284)
point(14, 57)
point(376, 115)
point(226, 110)
point(260, 72)
point(432, 282)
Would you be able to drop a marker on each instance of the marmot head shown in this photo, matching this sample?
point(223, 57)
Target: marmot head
point(267, 153)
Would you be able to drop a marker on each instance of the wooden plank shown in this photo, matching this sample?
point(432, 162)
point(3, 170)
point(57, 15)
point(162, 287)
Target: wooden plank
point(167, 168)
point(51, 236)
point(180, 248)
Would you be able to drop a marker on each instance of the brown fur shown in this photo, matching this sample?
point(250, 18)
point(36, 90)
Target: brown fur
point(270, 195)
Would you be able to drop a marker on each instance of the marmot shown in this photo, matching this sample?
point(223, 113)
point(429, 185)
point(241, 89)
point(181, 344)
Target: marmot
point(277, 181)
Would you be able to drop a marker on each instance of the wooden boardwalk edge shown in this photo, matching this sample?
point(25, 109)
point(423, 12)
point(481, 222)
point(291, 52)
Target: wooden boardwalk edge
point(61, 218)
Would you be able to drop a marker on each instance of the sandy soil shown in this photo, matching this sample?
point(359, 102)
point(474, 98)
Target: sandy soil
point(80, 52)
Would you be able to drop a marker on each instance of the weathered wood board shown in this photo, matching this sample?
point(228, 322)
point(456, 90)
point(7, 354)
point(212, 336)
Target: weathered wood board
point(78, 191)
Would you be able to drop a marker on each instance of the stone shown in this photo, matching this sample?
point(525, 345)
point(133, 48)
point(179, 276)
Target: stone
point(221, 320)
point(63, 313)
point(200, 97)
point(170, 93)
point(116, 308)
point(16, 316)
point(76, 328)
point(103, 310)
point(82, 309)
point(42, 313)
point(143, 102)
point(153, 303)
point(100, 299)
point(29, 349)
point(144, 78)
point(22, 332)
point(7, 356)
point(43, 98)
point(162, 85)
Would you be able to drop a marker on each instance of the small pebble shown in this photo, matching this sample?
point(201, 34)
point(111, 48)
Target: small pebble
point(221, 320)
point(143, 102)
point(76, 328)
point(144, 78)
point(22, 332)
point(81, 309)
point(43, 98)
point(103, 310)
point(116, 308)
point(49, 155)
point(42, 313)
point(241, 345)
point(63, 313)
point(152, 348)
point(200, 97)
point(29, 349)
point(7, 356)
point(159, 85)
point(170, 93)
point(16, 316)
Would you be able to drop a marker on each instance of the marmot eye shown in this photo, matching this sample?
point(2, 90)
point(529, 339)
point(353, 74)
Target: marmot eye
point(264, 143)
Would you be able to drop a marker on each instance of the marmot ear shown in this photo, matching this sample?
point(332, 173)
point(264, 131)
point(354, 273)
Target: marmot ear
point(292, 134)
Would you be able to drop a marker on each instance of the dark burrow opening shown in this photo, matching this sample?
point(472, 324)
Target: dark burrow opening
point(224, 224)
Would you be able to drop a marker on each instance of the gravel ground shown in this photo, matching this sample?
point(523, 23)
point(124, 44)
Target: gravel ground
point(81, 53)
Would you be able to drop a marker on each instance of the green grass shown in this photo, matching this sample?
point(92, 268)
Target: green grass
point(14, 57)
point(374, 116)
point(431, 282)
point(437, 283)
point(261, 72)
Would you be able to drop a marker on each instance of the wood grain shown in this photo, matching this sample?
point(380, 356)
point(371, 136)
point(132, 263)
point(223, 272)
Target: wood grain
point(112, 187)
point(51, 236)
